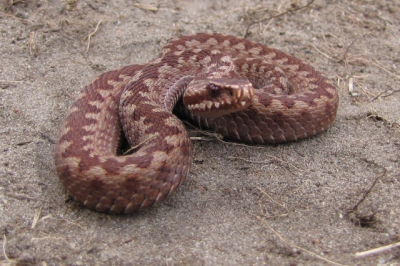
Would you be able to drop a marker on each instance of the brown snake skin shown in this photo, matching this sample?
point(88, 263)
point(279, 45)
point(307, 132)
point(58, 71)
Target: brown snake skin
point(241, 89)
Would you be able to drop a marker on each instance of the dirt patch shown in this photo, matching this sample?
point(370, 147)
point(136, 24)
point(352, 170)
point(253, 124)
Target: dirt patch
point(272, 205)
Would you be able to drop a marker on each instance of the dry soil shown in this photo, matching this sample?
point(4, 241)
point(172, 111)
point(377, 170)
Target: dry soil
point(308, 202)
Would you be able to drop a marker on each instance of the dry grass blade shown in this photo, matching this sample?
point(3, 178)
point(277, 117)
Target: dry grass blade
point(264, 222)
point(273, 200)
point(36, 218)
point(131, 149)
point(376, 251)
point(265, 161)
point(347, 57)
point(10, 81)
point(7, 261)
point(246, 34)
point(152, 8)
point(20, 19)
point(53, 239)
point(91, 34)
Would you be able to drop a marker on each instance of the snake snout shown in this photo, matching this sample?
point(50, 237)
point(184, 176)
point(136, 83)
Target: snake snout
point(217, 97)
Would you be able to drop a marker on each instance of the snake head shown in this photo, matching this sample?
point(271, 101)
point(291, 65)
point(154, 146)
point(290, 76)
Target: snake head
point(217, 97)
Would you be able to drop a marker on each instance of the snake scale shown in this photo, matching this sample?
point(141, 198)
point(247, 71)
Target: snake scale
point(244, 90)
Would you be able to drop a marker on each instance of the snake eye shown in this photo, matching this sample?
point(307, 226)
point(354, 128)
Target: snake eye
point(215, 91)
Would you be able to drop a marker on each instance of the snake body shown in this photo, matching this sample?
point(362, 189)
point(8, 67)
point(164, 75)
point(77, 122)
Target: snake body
point(241, 89)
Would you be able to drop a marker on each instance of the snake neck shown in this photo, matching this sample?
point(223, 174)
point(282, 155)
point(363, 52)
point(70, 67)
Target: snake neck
point(175, 92)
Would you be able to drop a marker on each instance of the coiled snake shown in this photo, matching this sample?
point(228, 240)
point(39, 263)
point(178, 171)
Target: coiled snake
point(241, 89)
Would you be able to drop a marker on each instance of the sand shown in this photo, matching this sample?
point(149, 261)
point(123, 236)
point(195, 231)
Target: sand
point(313, 202)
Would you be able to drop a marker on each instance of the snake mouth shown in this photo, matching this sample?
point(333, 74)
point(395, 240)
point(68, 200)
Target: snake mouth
point(217, 97)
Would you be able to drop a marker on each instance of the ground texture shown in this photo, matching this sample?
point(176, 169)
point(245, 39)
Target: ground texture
point(318, 201)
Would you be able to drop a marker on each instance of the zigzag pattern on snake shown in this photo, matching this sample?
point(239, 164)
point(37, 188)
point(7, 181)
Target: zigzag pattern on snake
point(241, 89)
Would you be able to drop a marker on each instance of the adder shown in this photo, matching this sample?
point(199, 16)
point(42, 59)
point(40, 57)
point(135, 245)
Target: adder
point(244, 90)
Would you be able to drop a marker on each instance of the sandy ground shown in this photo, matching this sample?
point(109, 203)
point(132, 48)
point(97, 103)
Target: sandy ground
point(300, 203)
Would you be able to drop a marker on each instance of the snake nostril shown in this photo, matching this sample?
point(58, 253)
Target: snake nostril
point(214, 91)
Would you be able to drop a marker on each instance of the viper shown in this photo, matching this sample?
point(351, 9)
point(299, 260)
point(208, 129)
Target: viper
point(244, 90)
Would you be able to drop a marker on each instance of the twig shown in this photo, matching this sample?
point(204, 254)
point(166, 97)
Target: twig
point(294, 246)
point(387, 95)
point(347, 50)
point(368, 191)
point(91, 34)
point(376, 251)
point(23, 143)
point(275, 16)
point(393, 92)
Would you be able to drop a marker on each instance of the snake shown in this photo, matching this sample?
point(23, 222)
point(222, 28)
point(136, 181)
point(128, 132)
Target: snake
point(123, 145)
